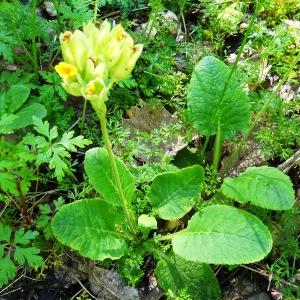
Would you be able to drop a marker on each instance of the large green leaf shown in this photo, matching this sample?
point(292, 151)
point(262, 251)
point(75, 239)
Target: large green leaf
point(197, 279)
point(173, 194)
point(99, 171)
point(92, 227)
point(222, 234)
point(213, 100)
point(263, 186)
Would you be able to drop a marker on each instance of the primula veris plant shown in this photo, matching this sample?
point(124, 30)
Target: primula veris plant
point(94, 59)
point(221, 234)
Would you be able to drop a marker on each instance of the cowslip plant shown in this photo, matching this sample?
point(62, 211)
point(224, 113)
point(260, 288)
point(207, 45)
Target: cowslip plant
point(216, 234)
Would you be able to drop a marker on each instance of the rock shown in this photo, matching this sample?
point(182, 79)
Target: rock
point(108, 285)
point(260, 296)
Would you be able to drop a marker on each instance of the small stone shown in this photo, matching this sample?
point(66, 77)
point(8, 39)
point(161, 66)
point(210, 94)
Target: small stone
point(260, 296)
point(50, 8)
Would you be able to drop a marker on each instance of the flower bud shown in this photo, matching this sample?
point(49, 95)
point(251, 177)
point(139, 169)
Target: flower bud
point(125, 65)
point(75, 48)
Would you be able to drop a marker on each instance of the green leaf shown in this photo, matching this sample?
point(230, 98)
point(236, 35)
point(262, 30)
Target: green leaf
point(8, 183)
point(45, 209)
point(56, 154)
point(16, 96)
point(99, 171)
point(58, 163)
point(24, 238)
point(5, 232)
point(147, 221)
point(2, 247)
point(41, 127)
point(92, 227)
point(6, 122)
point(174, 194)
point(197, 279)
point(7, 270)
point(262, 186)
point(26, 113)
point(71, 143)
point(222, 234)
point(208, 105)
point(28, 254)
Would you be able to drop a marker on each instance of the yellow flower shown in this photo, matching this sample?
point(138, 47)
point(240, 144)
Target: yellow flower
point(94, 57)
point(91, 89)
point(125, 65)
point(66, 70)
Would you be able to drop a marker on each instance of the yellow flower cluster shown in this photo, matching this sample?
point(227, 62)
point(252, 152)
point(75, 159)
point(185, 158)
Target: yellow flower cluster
point(93, 57)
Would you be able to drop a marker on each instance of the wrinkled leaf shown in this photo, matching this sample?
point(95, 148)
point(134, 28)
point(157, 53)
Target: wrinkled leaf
point(197, 279)
point(174, 194)
point(99, 171)
point(222, 234)
point(208, 105)
point(262, 186)
point(92, 227)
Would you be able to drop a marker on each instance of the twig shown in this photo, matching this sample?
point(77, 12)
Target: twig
point(11, 291)
point(73, 297)
point(269, 276)
point(290, 162)
point(3, 290)
point(117, 12)
point(81, 284)
point(3, 210)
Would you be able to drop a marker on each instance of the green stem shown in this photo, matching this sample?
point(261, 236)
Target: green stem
point(202, 158)
point(244, 140)
point(83, 115)
point(107, 143)
point(166, 237)
point(95, 11)
point(217, 147)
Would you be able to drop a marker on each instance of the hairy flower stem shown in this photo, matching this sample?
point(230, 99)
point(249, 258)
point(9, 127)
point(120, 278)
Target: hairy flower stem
point(107, 143)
